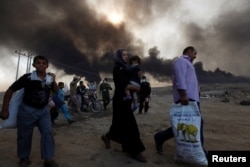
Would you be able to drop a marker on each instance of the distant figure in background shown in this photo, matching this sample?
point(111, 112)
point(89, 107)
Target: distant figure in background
point(92, 90)
point(104, 88)
point(92, 86)
point(75, 103)
point(61, 105)
point(144, 93)
point(81, 91)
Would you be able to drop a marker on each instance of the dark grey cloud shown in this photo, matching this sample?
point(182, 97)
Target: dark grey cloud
point(225, 43)
point(66, 31)
point(81, 42)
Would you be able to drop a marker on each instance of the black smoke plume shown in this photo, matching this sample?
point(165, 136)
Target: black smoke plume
point(225, 43)
point(80, 41)
point(68, 32)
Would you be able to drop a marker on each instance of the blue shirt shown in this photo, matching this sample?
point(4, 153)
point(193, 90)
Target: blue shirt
point(184, 77)
point(60, 95)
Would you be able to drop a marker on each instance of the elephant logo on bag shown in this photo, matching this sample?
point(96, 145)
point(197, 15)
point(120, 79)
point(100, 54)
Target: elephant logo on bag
point(189, 131)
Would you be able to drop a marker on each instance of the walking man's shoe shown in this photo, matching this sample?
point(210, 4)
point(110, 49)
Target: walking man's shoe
point(158, 146)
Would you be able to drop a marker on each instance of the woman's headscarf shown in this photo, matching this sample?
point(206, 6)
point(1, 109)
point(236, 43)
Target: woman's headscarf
point(118, 57)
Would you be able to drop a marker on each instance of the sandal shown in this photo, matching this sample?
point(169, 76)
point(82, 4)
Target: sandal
point(140, 157)
point(106, 141)
point(50, 163)
point(24, 163)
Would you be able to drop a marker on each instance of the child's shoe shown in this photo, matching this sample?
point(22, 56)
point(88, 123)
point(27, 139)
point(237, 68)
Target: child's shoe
point(71, 121)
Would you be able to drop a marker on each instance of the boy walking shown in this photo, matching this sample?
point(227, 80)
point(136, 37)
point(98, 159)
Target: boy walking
point(63, 107)
point(33, 111)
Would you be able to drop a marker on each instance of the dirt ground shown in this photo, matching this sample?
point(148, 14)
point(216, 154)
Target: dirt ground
point(226, 127)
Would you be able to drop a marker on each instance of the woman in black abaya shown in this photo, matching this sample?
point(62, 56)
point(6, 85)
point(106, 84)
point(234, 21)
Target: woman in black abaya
point(124, 129)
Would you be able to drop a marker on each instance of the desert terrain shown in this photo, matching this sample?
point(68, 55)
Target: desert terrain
point(226, 127)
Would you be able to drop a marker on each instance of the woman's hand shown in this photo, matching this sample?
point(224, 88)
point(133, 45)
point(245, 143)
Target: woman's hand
point(4, 114)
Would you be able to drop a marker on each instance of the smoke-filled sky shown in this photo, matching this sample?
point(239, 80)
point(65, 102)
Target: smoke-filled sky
point(79, 36)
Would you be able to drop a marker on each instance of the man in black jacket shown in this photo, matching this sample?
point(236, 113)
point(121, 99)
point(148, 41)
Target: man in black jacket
point(104, 88)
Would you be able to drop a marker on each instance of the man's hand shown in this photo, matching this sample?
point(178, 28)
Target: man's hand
point(184, 100)
point(183, 97)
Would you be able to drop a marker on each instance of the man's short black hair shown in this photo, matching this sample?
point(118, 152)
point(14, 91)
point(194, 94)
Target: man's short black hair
point(188, 48)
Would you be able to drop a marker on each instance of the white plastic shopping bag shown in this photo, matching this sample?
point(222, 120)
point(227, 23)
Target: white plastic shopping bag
point(186, 123)
point(15, 102)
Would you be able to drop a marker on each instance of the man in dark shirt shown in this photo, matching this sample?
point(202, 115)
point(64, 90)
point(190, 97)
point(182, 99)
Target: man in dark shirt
point(104, 88)
point(144, 93)
point(80, 93)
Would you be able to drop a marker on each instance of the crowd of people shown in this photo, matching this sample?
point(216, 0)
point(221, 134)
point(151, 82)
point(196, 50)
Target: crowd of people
point(131, 91)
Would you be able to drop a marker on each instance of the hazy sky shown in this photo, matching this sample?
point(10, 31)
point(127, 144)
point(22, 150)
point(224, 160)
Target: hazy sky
point(78, 36)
